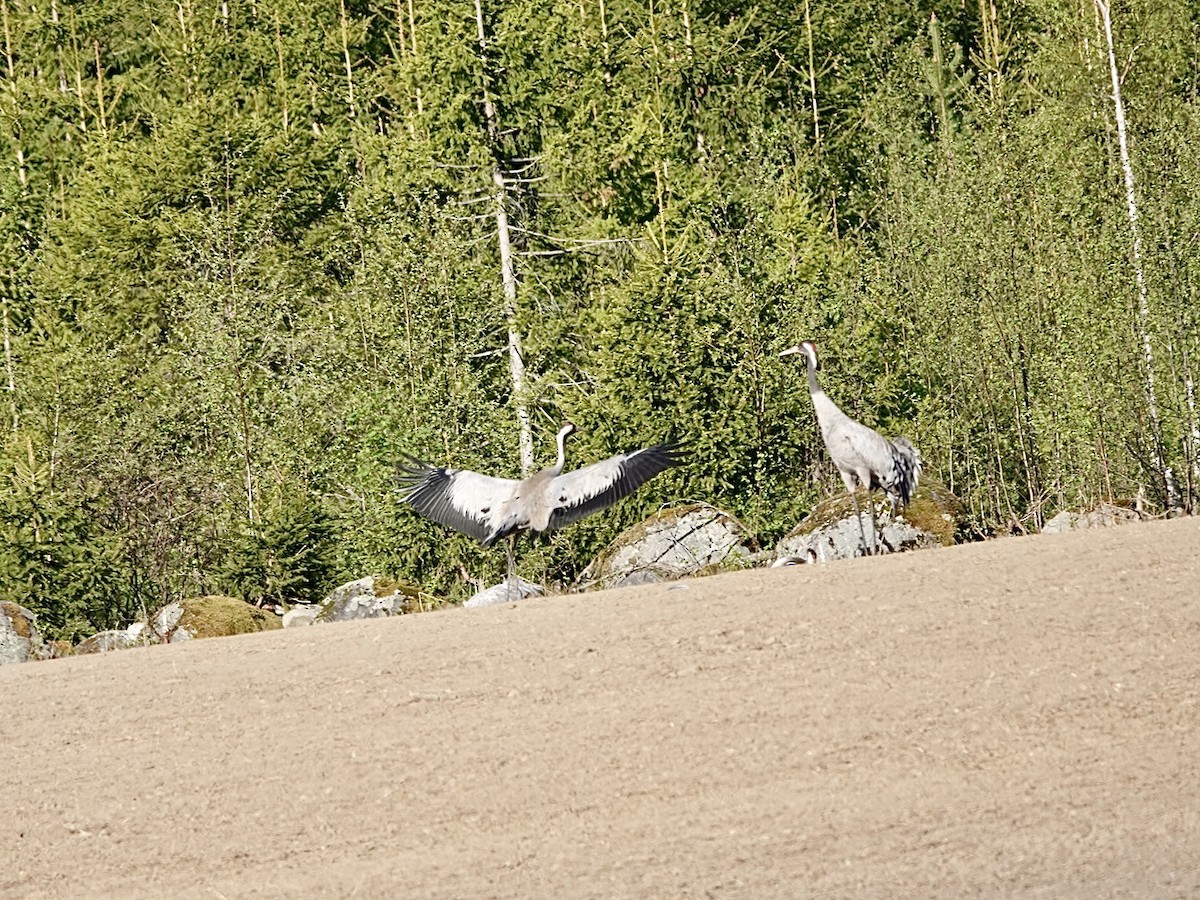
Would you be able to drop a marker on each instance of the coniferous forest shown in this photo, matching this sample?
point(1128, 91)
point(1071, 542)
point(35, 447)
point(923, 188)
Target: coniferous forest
point(253, 251)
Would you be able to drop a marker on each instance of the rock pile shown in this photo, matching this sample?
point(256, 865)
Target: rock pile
point(933, 519)
point(1106, 515)
point(674, 542)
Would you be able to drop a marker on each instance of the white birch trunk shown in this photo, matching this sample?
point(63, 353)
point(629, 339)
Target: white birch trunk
point(22, 175)
point(812, 77)
point(516, 361)
point(1143, 300)
point(1189, 386)
point(346, 61)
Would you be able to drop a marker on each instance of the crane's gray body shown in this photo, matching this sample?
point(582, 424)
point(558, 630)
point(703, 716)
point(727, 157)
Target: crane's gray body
point(861, 452)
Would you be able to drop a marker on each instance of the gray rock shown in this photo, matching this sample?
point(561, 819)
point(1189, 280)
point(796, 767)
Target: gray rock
point(136, 635)
point(371, 598)
point(1106, 515)
point(830, 531)
point(165, 624)
point(104, 641)
point(501, 593)
point(300, 615)
point(672, 543)
point(19, 637)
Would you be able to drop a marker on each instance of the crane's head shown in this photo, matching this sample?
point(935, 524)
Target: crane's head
point(808, 348)
point(568, 429)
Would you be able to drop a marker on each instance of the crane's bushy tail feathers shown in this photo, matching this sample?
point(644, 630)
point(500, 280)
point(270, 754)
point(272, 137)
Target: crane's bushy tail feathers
point(906, 470)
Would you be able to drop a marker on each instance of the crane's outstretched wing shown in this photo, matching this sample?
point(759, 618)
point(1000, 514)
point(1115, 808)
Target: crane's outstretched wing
point(457, 498)
point(584, 491)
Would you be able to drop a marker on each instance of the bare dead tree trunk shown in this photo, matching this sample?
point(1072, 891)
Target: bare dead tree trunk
point(516, 360)
point(693, 91)
point(1172, 486)
point(346, 60)
point(661, 176)
point(22, 177)
point(812, 77)
point(247, 462)
point(76, 57)
point(10, 68)
point(604, 45)
point(406, 30)
point(991, 43)
point(412, 30)
point(100, 90)
point(8, 50)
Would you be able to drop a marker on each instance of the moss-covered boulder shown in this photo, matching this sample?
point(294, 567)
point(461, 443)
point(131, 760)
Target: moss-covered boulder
point(374, 597)
point(689, 539)
point(210, 616)
point(19, 637)
point(934, 518)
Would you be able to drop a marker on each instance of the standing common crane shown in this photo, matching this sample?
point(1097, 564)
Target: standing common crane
point(856, 450)
point(489, 509)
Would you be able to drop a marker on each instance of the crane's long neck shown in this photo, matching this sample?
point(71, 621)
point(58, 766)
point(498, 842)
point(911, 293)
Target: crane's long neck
point(814, 386)
point(557, 468)
point(827, 411)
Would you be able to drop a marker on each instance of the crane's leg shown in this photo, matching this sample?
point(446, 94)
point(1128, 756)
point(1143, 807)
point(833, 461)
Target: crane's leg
point(874, 527)
point(858, 518)
point(545, 542)
point(510, 543)
point(848, 480)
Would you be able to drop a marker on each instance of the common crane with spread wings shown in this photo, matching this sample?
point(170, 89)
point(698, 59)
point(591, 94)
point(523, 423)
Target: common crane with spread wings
point(489, 509)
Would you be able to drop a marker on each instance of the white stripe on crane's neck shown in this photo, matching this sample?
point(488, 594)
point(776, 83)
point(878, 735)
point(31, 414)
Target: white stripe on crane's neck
point(828, 412)
point(810, 356)
point(562, 447)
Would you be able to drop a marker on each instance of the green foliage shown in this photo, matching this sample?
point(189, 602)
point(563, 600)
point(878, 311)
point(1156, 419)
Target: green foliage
point(284, 556)
point(58, 560)
point(248, 258)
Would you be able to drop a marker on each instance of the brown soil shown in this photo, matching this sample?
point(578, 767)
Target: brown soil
point(1011, 719)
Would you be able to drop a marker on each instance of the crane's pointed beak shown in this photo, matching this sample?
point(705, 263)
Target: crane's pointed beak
point(791, 351)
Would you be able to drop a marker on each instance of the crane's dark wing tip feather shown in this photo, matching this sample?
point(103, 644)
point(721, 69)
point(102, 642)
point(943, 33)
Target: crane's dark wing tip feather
point(642, 465)
point(427, 490)
point(676, 452)
point(411, 472)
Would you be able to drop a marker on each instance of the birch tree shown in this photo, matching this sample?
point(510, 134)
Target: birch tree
point(508, 272)
point(1143, 317)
